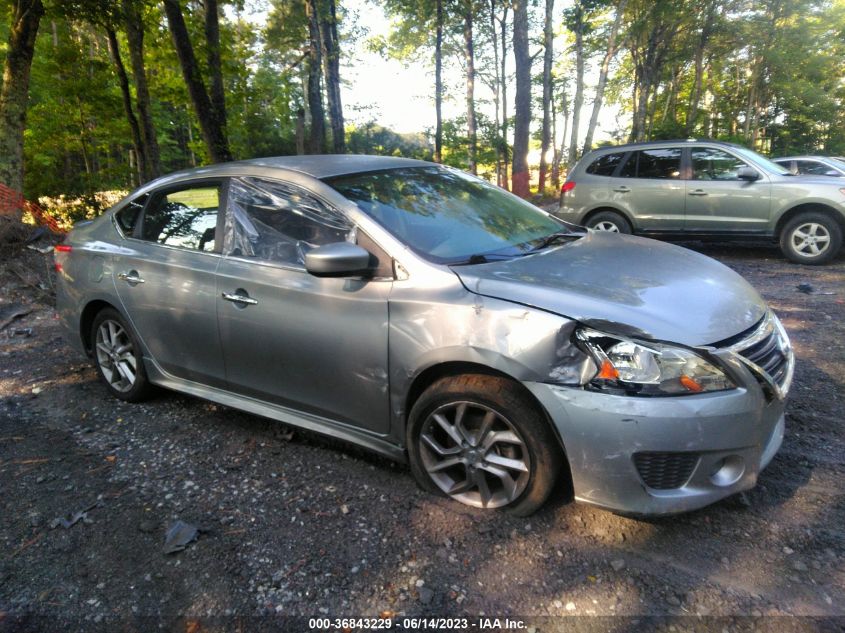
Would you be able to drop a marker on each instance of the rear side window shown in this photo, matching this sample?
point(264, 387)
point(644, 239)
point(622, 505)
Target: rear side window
point(186, 218)
point(653, 163)
point(605, 165)
point(127, 217)
point(813, 167)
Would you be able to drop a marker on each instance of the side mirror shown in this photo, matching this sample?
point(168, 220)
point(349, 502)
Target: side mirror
point(747, 173)
point(340, 259)
point(832, 173)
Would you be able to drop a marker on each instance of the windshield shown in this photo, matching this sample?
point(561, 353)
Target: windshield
point(761, 161)
point(838, 162)
point(447, 216)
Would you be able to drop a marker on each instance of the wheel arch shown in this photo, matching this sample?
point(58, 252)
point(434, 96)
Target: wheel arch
point(86, 321)
point(808, 207)
point(449, 369)
point(602, 209)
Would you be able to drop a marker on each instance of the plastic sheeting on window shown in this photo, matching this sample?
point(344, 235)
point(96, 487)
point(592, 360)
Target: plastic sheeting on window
point(273, 221)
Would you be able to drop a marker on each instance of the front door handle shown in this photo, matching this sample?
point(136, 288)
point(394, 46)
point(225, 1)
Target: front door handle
point(131, 277)
point(622, 189)
point(239, 298)
point(698, 192)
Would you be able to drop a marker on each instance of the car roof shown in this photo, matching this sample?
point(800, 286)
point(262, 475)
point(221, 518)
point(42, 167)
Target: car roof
point(315, 165)
point(801, 157)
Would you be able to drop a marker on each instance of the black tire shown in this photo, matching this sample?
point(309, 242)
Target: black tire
point(809, 232)
point(117, 356)
point(603, 220)
point(510, 410)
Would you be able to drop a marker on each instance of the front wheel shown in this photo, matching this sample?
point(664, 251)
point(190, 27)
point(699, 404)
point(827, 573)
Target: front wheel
point(609, 221)
point(481, 441)
point(118, 358)
point(811, 238)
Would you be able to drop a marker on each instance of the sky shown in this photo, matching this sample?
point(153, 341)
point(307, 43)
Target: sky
point(399, 95)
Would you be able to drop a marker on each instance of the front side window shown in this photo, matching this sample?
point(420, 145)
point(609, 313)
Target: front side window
point(273, 221)
point(605, 165)
point(186, 218)
point(447, 216)
point(709, 163)
point(653, 163)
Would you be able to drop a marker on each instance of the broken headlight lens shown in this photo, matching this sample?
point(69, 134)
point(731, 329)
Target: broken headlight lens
point(628, 367)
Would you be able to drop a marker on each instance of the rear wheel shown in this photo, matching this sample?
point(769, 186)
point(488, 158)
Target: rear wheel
point(481, 441)
point(609, 221)
point(811, 238)
point(117, 356)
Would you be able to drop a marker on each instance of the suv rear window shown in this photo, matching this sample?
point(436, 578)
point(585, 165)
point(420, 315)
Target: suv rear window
point(605, 165)
point(653, 163)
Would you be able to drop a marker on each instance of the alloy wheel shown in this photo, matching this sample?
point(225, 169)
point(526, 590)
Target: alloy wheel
point(474, 454)
point(116, 355)
point(606, 225)
point(810, 239)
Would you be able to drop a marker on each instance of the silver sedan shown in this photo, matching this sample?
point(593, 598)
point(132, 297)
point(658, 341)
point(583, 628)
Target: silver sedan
point(436, 319)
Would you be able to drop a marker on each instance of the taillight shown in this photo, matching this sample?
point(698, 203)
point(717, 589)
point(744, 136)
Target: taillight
point(569, 185)
point(60, 248)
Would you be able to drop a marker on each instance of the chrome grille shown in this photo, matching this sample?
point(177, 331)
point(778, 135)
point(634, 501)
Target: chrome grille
point(768, 354)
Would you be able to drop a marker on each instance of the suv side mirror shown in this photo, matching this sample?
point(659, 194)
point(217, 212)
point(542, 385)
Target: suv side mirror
point(747, 173)
point(340, 259)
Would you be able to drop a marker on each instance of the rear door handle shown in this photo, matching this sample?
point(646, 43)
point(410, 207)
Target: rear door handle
point(698, 192)
point(622, 189)
point(131, 277)
point(238, 298)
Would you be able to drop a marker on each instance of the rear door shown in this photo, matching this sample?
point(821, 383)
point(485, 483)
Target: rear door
point(166, 280)
point(650, 189)
point(313, 344)
point(718, 201)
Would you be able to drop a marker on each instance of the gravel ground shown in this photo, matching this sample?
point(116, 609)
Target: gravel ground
point(294, 524)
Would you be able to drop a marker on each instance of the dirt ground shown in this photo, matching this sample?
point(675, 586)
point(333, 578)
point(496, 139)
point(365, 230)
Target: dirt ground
point(293, 524)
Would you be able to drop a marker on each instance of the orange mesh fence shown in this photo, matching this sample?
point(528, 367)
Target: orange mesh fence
point(12, 201)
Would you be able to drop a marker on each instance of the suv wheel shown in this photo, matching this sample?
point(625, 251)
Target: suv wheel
point(811, 238)
point(480, 440)
point(609, 221)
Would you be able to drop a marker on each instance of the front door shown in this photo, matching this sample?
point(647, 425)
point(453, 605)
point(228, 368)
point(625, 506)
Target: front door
point(718, 201)
point(313, 344)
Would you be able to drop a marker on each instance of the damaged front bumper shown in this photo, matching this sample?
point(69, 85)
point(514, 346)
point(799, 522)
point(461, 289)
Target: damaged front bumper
point(664, 455)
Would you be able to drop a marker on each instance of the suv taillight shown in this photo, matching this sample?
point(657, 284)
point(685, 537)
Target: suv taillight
point(569, 185)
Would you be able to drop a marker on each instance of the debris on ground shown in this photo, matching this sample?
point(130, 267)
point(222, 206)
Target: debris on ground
point(179, 535)
point(73, 519)
point(11, 312)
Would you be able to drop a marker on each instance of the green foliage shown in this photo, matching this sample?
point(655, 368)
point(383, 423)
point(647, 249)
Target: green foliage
point(372, 138)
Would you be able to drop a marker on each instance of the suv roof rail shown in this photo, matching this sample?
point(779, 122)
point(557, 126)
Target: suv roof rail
point(663, 142)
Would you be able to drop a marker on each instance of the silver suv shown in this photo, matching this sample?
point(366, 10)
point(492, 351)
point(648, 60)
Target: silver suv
point(705, 189)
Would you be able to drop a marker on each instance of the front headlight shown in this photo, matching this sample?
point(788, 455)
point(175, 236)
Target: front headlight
point(649, 369)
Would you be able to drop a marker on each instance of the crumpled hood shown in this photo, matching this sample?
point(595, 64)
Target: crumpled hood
point(626, 285)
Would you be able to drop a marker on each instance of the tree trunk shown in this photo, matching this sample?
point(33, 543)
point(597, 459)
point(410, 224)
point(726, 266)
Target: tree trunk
point(469, 54)
point(14, 94)
point(150, 157)
point(610, 53)
point(695, 95)
point(504, 148)
point(317, 137)
point(522, 120)
point(134, 128)
point(438, 84)
point(215, 65)
point(545, 135)
point(496, 87)
point(213, 130)
point(579, 84)
point(564, 108)
point(331, 62)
